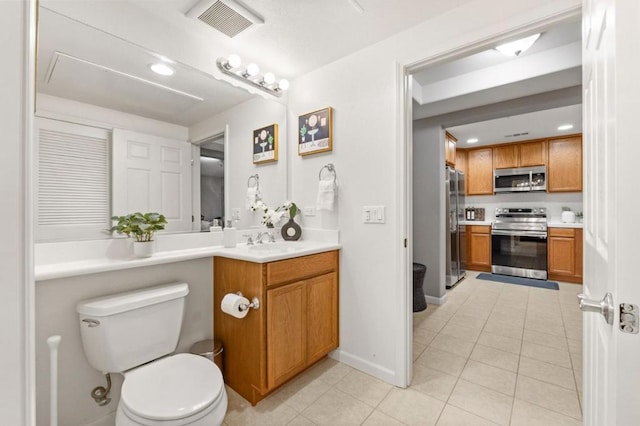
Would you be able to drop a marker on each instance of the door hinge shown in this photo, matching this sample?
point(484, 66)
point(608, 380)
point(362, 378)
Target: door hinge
point(193, 219)
point(192, 161)
point(629, 318)
point(405, 243)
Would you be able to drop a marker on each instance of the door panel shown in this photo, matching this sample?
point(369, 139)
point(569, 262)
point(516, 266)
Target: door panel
point(322, 303)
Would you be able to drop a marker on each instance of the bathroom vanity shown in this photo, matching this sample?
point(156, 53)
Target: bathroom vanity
point(295, 325)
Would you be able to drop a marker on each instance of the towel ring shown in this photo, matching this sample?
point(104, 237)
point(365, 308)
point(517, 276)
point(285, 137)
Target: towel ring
point(256, 178)
point(330, 168)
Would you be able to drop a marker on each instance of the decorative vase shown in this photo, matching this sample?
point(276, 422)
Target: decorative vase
point(291, 231)
point(144, 248)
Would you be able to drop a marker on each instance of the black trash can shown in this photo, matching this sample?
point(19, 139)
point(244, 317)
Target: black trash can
point(419, 302)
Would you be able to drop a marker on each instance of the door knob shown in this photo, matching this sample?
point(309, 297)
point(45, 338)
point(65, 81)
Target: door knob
point(604, 306)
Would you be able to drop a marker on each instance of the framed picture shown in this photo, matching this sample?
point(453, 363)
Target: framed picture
point(265, 144)
point(314, 132)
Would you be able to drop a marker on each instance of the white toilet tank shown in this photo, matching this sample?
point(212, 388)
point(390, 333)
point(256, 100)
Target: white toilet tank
point(125, 330)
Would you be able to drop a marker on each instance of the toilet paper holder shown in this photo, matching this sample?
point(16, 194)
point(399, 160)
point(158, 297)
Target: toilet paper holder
point(255, 303)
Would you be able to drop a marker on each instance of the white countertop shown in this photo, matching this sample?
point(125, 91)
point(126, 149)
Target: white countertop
point(559, 224)
point(476, 222)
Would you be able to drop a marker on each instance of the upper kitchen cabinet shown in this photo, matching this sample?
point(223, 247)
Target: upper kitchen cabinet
point(520, 155)
point(564, 166)
point(480, 171)
point(450, 149)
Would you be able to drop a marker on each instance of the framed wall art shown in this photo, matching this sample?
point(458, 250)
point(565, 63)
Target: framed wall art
point(265, 144)
point(315, 132)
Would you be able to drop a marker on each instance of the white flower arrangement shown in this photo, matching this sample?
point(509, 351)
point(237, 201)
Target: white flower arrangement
point(271, 217)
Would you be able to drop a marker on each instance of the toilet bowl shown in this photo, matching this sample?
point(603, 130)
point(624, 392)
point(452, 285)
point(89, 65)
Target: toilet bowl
point(183, 389)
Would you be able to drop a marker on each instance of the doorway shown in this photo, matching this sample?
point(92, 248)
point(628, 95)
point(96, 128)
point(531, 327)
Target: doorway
point(211, 182)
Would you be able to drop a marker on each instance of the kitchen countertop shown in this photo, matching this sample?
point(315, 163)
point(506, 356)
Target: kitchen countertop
point(558, 224)
point(476, 222)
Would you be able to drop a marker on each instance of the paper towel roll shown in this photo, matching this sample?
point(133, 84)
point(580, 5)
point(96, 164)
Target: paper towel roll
point(231, 305)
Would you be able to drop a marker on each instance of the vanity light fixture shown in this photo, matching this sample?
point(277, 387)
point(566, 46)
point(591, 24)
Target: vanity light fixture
point(565, 127)
point(472, 140)
point(251, 75)
point(518, 47)
point(162, 69)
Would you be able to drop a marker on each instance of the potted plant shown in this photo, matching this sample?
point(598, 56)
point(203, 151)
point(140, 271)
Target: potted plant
point(142, 227)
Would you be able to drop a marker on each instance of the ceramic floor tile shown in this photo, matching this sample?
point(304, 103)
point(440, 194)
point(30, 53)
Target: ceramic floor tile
point(454, 416)
point(554, 328)
point(526, 414)
point(270, 411)
point(336, 407)
point(504, 329)
point(490, 377)
point(557, 342)
point(433, 382)
point(549, 396)
point(411, 407)
point(482, 402)
point(417, 349)
point(442, 361)
point(432, 324)
point(453, 345)
point(461, 332)
point(466, 321)
point(546, 372)
point(506, 344)
point(495, 357)
point(546, 354)
point(363, 387)
point(329, 370)
point(380, 419)
point(301, 392)
point(300, 420)
point(423, 336)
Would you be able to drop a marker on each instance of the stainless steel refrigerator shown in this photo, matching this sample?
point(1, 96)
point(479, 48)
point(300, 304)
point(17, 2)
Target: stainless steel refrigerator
point(454, 195)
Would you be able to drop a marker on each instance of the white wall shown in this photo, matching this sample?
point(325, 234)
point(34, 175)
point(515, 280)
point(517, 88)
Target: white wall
point(363, 90)
point(56, 302)
point(238, 157)
point(429, 220)
point(553, 202)
point(14, 247)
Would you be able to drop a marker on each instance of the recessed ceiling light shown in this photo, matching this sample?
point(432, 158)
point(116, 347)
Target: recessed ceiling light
point(565, 127)
point(162, 69)
point(472, 140)
point(516, 48)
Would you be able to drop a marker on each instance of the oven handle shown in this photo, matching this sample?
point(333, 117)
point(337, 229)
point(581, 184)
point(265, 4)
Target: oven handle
point(538, 234)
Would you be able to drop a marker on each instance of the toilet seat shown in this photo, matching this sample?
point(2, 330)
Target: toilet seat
point(176, 390)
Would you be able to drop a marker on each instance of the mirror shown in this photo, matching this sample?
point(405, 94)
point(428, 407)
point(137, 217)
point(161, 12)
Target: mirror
point(89, 77)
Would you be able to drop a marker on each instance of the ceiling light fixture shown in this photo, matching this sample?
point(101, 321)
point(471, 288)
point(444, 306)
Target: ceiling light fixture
point(162, 69)
point(516, 48)
point(472, 140)
point(565, 127)
point(251, 75)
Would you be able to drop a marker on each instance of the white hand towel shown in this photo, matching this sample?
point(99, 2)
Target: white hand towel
point(252, 197)
point(326, 194)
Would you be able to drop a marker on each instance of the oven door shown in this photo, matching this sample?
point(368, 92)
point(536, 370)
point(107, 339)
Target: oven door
point(519, 253)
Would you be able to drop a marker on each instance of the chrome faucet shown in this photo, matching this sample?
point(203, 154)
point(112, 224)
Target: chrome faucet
point(263, 234)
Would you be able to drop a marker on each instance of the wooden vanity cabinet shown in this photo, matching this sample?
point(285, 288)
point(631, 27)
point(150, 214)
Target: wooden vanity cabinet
point(564, 254)
point(478, 240)
point(296, 325)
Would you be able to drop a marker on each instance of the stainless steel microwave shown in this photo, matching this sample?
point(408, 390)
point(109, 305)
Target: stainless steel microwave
point(520, 180)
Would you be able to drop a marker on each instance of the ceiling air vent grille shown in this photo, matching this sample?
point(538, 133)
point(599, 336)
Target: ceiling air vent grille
point(225, 19)
point(514, 135)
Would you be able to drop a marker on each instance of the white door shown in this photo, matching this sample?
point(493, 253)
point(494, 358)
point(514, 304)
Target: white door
point(152, 174)
point(611, 52)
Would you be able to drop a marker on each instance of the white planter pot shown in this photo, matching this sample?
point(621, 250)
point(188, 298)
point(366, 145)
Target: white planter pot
point(144, 249)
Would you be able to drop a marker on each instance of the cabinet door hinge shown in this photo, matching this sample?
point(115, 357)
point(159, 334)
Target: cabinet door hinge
point(405, 243)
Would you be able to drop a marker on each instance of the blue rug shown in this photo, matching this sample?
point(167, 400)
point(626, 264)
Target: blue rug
point(551, 285)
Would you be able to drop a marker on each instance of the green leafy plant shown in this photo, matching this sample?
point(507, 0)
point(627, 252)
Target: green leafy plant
point(141, 226)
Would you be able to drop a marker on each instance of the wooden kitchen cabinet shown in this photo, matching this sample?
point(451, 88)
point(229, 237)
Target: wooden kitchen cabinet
point(478, 247)
point(450, 149)
point(295, 326)
point(480, 171)
point(506, 156)
point(564, 254)
point(564, 169)
point(523, 154)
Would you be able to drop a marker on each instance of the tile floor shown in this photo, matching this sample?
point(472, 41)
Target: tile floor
point(493, 354)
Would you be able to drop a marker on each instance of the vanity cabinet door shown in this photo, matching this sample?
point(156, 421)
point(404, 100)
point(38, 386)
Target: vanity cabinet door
point(286, 332)
point(322, 316)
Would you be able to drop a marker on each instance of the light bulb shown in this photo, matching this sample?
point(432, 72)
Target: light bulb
point(516, 48)
point(268, 78)
point(234, 61)
point(252, 70)
point(162, 69)
point(283, 84)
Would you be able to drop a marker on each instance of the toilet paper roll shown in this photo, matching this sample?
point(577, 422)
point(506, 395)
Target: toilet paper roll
point(231, 305)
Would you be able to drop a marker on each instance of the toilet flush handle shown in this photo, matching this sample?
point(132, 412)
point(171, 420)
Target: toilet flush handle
point(91, 322)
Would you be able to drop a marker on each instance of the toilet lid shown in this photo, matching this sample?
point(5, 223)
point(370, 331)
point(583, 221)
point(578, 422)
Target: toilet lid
point(172, 388)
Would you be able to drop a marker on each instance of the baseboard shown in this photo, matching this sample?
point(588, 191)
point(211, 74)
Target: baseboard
point(436, 300)
point(365, 366)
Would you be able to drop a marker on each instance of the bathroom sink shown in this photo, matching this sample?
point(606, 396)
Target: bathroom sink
point(278, 247)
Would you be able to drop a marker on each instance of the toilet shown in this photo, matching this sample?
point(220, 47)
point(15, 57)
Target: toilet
point(134, 334)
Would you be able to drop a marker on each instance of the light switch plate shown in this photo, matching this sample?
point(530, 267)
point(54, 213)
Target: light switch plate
point(309, 211)
point(373, 214)
point(235, 214)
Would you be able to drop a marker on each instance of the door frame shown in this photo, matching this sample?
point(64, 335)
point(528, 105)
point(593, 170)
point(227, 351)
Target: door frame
point(405, 157)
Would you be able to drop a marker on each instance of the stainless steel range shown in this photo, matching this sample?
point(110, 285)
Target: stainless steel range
point(519, 242)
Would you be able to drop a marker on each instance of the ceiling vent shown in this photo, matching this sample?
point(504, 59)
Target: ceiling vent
point(228, 16)
point(514, 135)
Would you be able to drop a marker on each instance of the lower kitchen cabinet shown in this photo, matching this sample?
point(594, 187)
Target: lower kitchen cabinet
point(295, 326)
point(478, 247)
point(565, 254)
